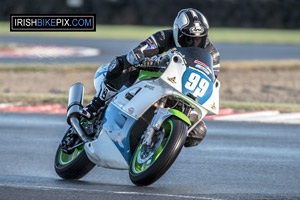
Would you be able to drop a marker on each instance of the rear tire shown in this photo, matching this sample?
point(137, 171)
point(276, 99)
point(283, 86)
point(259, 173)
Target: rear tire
point(146, 173)
point(73, 165)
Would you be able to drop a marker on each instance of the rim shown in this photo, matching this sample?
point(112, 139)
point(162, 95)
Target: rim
point(65, 158)
point(137, 167)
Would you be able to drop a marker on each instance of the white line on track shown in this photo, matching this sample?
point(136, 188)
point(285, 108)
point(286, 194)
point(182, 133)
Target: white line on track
point(106, 191)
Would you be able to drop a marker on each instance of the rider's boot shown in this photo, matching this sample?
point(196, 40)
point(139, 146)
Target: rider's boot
point(196, 135)
point(93, 108)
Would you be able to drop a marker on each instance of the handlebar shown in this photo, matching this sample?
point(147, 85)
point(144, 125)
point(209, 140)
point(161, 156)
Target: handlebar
point(162, 65)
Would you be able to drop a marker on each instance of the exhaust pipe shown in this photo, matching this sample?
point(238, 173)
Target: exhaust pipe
point(75, 101)
point(74, 107)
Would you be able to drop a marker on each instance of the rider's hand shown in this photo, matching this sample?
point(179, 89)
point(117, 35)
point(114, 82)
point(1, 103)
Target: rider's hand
point(149, 64)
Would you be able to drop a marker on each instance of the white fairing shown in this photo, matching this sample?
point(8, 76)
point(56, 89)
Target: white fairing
point(149, 93)
point(210, 107)
point(104, 152)
point(169, 83)
point(212, 104)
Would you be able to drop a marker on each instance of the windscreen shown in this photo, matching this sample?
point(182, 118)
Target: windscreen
point(198, 78)
point(198, 59)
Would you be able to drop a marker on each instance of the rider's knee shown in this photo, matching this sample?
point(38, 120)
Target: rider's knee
point(196, 135)
point(115, 68)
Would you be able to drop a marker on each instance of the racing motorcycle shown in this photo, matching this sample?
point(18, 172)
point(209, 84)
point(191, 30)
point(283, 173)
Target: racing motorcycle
point(144, 127)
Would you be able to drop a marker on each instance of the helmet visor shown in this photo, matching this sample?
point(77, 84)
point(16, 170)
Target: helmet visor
point(187, 41)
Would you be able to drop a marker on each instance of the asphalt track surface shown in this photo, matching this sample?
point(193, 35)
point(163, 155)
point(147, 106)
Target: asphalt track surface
point(111, 48)
point(235, 161)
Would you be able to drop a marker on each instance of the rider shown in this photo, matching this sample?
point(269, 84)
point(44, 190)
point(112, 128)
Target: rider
point(190, 29)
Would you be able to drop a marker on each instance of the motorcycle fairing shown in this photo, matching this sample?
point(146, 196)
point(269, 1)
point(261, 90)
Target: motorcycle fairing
point(117, 126)
point(105, 153)
point(131, 103)
point(180, 70)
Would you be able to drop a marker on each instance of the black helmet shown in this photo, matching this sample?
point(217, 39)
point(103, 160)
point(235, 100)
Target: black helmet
point(190, 28)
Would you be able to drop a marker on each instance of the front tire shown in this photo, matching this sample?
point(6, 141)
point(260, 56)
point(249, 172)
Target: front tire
point(72, 165)
point(145, 172)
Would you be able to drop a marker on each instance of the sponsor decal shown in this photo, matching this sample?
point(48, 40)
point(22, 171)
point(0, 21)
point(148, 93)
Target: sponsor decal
point(203, 67)
point(150, 41)
point(51, 22)
point(172, 80)
point(151, 44)
point(197, 29)
point(213, 106)
point(130, 110)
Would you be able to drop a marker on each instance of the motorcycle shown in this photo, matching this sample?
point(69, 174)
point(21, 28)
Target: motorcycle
point(144, 127)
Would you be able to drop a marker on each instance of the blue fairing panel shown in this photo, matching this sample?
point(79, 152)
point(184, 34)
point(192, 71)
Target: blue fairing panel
point(119, 124)
point(197, 84)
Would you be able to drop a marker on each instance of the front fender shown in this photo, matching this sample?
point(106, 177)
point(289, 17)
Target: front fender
point(180, 115)
point(163, 113)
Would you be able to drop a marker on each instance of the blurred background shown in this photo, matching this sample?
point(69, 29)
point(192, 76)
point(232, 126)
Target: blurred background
point(259, 43)
point(221, 13)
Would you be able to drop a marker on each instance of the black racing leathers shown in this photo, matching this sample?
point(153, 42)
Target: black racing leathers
point(122, 71)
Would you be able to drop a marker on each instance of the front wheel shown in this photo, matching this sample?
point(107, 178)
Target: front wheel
point(71, 161)
point(149, 163)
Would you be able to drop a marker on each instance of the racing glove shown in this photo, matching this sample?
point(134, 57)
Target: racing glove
point(149, 64)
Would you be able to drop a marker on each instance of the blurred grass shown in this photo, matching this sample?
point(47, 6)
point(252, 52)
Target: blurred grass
point(232, 35)
point(260, 65)
point(48, 67)
point(34, 99)
point(50, 98)
point(239, 35)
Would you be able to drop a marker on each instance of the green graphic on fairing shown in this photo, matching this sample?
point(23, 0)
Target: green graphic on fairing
point(146, 75)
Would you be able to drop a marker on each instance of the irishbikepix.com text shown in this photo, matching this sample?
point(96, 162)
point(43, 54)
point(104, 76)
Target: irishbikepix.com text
point(22, 22)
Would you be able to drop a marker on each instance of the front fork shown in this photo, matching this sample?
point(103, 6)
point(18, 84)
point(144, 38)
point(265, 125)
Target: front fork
point(160, 115)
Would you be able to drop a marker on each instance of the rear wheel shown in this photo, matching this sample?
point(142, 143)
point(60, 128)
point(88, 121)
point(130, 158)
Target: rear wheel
point(71, 161)
point(148, 164)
